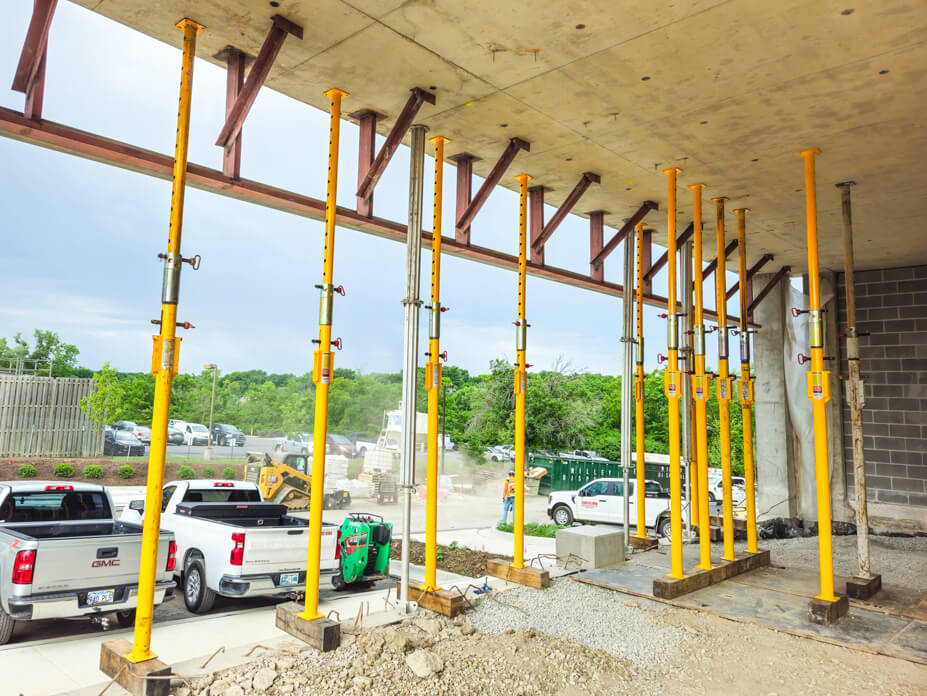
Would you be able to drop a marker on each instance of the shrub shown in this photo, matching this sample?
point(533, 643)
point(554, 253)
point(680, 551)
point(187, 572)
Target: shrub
point(27, 471)
point(186, 472)
point(229, 473)
point(126, 471)
point(208, 472)
point(93, 471)
point(64, 470)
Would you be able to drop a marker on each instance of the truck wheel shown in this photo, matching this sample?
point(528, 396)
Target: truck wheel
point(665, 527)
point(7, 624)
point(338, 582)
point(125, 619)
point(198, 598)
point(711, 497)
point(563, 516)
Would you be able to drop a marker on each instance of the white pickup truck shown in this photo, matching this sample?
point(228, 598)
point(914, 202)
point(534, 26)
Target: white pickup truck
point(602, 500)
point(231, 543)
point(64, 555)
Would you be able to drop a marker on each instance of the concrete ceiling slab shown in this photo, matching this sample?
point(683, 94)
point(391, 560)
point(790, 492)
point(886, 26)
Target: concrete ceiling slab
point(735, 89)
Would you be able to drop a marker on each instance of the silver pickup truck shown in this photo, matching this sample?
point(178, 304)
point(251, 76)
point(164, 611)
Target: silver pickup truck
point(64, 555)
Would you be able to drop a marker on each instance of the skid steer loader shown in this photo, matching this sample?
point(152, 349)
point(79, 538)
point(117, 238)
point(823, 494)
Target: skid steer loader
point(287, 481)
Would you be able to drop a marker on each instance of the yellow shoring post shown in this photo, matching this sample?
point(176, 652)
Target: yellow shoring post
point(701, 384)
point(694, 495)
point(723, 385)
point(164, 358)
point(323, 367)
point(818, 386)
point(640, 486)
point(671, 382)
point(745, 383)
point(433, 379)
point(521, 375)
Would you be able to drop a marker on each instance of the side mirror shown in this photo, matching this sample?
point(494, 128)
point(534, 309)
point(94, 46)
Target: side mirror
point(137, 505)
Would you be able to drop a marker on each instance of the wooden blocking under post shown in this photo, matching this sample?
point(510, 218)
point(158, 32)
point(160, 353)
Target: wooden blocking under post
point(823, 612)
point(670, 588)
point(531, 577)
point(863, 588)
point(134, 677)
point(644, 543)
point(322, 634)
point(446, 602)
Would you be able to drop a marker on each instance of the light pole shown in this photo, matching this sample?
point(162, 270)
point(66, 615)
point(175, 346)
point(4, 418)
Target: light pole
point(444, 390)
point(207, 453)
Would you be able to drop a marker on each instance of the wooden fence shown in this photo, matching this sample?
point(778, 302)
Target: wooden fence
point(41, 417)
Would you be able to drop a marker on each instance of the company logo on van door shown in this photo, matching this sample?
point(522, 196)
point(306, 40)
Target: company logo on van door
point(107, 563)
point(589, 503)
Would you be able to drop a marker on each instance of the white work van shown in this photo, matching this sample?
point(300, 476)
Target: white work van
point(602, 500)
point(231, 543)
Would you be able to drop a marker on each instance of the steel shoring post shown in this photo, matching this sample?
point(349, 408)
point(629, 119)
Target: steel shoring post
point(433, 379)
point(855, 391)
point(627, 382)
point(723, 385)
point(640, 484)
point(164, 358)
point(686, 409)
point(700, 387)
point(323, 367)
point(411, 305)
point(745, 383)
point(671, 381)
point(818, 384)
point(521, 376)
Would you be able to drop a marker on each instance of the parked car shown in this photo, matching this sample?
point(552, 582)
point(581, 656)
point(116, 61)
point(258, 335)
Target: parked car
point(716, 489)
point(142, 432)
point(230, 543)
point(298, 443)
point(339, 444)
point(195, 434)
point(362, 442)
point(174, 435)
point(497, 454)
point(602, 500)
point(122, 443)
point(225, 434)
point(65, 555)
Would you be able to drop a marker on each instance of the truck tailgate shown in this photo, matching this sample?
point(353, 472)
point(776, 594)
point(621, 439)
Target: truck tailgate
point(93, 562)
point(283, 549)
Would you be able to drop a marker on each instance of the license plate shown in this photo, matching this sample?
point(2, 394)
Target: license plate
point(289, 578)
point(97, 597)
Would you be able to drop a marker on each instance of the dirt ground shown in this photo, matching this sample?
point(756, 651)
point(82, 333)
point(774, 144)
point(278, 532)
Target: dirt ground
point(460, 560)
point(45, 470)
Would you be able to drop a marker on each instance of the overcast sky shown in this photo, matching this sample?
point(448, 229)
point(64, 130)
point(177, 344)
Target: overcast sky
point(81, 239)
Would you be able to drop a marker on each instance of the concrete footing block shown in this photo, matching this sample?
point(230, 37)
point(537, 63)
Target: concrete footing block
point(864, 588)
point(322, 634)
point(824, 612)
point(531, 577)
point(446, 602)
point(598, 547)
point(138, 678)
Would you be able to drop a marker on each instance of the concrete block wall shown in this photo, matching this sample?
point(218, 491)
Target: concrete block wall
point(891, 305)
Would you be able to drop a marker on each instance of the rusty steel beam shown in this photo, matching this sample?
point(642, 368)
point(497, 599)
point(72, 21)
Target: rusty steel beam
point(94, 147)
point(713, 264)
point(647, 260)
point(769, 286)
point(234, 79)
point(571, 200)
point(30, 58)
point(641, 213)
point(495, 176)
point(366, 152)
point(662, 261)
point(235, 116)
point(396, 134)
point(35, 95)
point(536, 221)
point(464, 191)
point(764, 259)
point(596, 236)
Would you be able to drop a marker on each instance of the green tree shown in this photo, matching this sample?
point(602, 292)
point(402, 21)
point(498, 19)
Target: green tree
point(48, 347)
point(100, 406)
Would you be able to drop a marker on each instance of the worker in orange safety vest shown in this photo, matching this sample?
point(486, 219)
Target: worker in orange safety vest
point(508, 498)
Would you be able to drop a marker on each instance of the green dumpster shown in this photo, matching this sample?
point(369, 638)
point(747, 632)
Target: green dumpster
point(569, 473)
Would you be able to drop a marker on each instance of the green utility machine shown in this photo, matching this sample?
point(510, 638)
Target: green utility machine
point(363, 550)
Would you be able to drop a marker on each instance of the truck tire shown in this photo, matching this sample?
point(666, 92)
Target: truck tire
point(562, 516)
point(711, 497)
point(198, 598)
point(664, 527)
point(338, 582)
point(7, 624)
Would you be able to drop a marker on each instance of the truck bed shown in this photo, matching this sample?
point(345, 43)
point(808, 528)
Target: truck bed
point(243, 514)
point(70, 530)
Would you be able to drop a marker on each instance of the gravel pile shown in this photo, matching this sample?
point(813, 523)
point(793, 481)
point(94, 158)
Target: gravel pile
point(900, 560)
point(427, 657)
point(627, 628)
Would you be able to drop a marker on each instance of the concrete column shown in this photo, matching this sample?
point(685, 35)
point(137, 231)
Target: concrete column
point(774, 474)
